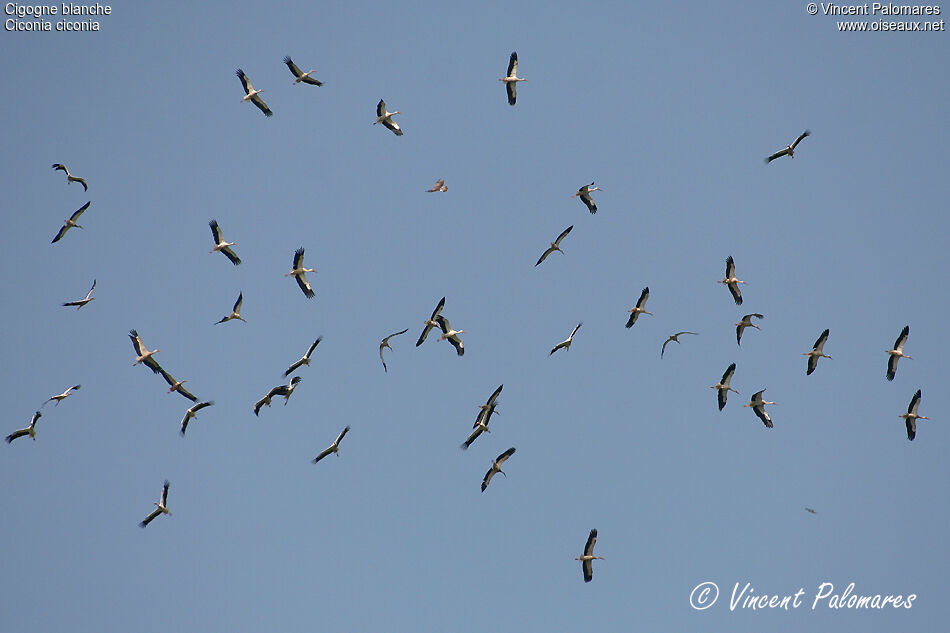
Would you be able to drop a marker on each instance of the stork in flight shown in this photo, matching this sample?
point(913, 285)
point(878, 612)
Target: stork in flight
point(30, 430)
point(334, 448)
point(70, 222)
point(300, 75)
point(511, 79)
point(69, 177)
point(451, 334)
point(385, 343)
point(731, 281)
point(79, 304)
point(161, 507)
point(911, 417)
point(758, 406)
point(299, 273)
point(385, 117)
point(438, 187)
point(192, 412)
point(280, 390)
point(745, 322)
point(588, 556)
point(431, 322)
point(556, 244)
point(177, 385)
point(810, 510)
point(723, 387)
point(496, 467)
point(566, 343)
point(638, 309)
point(484, 416)
point(789, 149)
point(897, 353)
point(584, 194)
point(142, 354)
point(252, 95)
point(305, 360)
point(221, 245)
point(235, 311)
point(816, 352)
point(62, 396)
point(675, 338)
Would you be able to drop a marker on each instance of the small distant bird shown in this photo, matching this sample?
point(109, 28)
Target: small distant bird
point(161, 507)
point(305, 360)
point(511, 79)
point(79, 304)
point(142, 355)
point(69, 177)
point(30, 430)
point(484, 416)
point(451, 335)
point(758, 406)
point(431, 322)
point(496, 467)
point(300, 75)
point(911, 417)
point(588, 556)
point(334, 448)
point(385, 117)
point(584, 194)
point(235, 311)
point(790, 149)
point(177, 385)
point(638, 309)
point(254, 96)
point(816, 352)
point(299, 273)
point(723, 385)
point(71, 222)
point(192, 412)
point(731, 281)
point(439, 186)
point(566, 343)
point(744, 323)
point(675, 338)
point(60, 397)
point(385, 343)
point(221, 245)
point(556, 244)
point(897, 353)
point(810, 510)
point(280, 390)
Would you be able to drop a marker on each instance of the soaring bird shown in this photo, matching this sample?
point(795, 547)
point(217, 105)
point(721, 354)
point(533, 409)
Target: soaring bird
point(305, 360)
point(280, 390)
point(496, 467)
point(84, 301)
point(235, 311)
point(299, 273)
point(334, 448)
point(451, 334)
point(431, 322)
point(911, 417)
point(221, 245)
point(300, 75)
point(69, 177)
point(385, 117)
point(758, 406)
point(556, 244)
point(588, 556)
point(790, 149)
point(897, 353)
point(161, 507)
point(723, 387)
point(816, 352)
point(810, 511)
point(731, 281)
point(511, 79)
point(638, 309)
point(584, 194)
point(675, 338)
point(484, 416)
point(385, 343)
point(177, 385)
point(30, 430)
point(142, 354)
point(254, 96)
point(438, 187)
point(192, 412)
point(71, 222)
point(566, 343)
point(62, 396)
point(745, 322)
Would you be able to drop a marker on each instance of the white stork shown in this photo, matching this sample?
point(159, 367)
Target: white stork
point(79, 304)
point(235, 311)
point(496, 467)
point(299, 273)
point(810, 510)
point(300, 75)
point(62, 396)
point(897, 353)
point(723, 386)
point(484, 416)
point(385, 343)
point(451, 335)
point(438, 187)
point(758, 406)
point(384, 117)
point(745, 322)
point(142, 354)
point(69, 177)
point(675, 338)
point(511, 79)
point(588, 556)
point(161, 507)
point(555, 245)
point(789, 149)
point(638, 309)
point(731, 281)
point(280, 390)
point(177, 385)
point(70, 222)
point(252, 95)
point(911, 417)
point(192, 412)
point(816, 352)
point(30, 430)
point(584, 194)
point(431, 322)
point(566, 343)
point(221, 245)
point(305, 360)
point(334, 448)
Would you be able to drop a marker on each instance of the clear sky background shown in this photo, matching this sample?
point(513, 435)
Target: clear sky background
point(671, 108)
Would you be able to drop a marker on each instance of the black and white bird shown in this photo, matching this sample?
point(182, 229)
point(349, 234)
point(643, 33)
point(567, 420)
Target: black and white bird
point(675, 338)
point(450, 334)
point(758, 406)
point(897, 353)
point(161, 507)
point(731, 281)
point(723, 387)
point(300, 75)
point(334, 448)
point(638, 309)
point(192, 412)
point(789, 149)
point(911, 417)
point(584, 194)
point(221, 245)
point(305, 360)
point(385, 117)
point(83, 301)
point(385, 343)
point(235, 311)
point(252, 95)
point(142, 354)
point(70, 222)
point(745, 322)
point(511, 79)
point(438, 187)
point(566, 343)
point(299, 273)
point(281, 390)
point(177, 385)
point(816, 352)
point(555, 245)
point(588, 557)
point(69, 177)
point(485, 412)
point(431, 322)
point(62, 396)
point(496, 467)
point(30, 430)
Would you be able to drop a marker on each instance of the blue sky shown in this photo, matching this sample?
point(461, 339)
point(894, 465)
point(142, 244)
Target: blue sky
point(670, 108)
